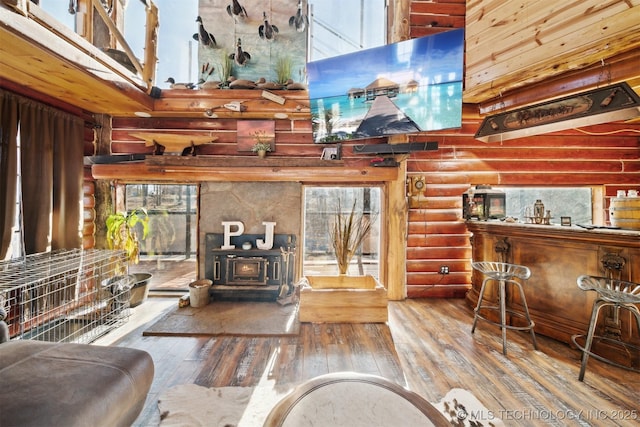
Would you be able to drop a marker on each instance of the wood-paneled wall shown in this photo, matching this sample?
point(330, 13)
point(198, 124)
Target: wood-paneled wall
point(512, 44)
point(434, 16)
point(607, 156)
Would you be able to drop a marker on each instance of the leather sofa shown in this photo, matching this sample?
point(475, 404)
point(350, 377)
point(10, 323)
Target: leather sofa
point(65, 384)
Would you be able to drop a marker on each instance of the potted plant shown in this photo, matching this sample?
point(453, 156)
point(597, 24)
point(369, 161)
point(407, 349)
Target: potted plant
point(122, 235)
point(283, 70)
point(347, 233)
point(261, 148)
point(342, 298)
point(263, 143)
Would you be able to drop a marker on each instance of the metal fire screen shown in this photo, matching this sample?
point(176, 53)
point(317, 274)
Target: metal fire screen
point(66, 295)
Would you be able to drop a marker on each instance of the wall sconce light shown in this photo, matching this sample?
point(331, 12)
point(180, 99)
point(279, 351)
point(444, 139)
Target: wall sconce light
point(608, 104)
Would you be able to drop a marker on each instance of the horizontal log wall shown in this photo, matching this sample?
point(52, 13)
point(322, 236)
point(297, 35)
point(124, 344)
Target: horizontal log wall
point(293, 138)
point(431, 17)
point(604, 155)
point(608, 157)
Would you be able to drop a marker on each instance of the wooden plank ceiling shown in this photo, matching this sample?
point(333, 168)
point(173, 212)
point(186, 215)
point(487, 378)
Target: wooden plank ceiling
point(516, 45)
point(518, 52)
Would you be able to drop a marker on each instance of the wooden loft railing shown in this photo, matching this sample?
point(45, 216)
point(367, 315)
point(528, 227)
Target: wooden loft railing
point(85, 11)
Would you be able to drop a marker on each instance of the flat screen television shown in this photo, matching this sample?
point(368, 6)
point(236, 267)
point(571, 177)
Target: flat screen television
point(401, 88)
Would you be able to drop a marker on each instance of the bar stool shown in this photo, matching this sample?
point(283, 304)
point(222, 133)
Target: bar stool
point(504, 273)
point(617, 294)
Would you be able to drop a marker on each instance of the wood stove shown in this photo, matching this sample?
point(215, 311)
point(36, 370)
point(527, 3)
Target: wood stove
point(256, 274)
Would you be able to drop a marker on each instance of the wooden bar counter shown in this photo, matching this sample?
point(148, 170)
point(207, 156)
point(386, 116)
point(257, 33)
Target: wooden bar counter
point(557, 255)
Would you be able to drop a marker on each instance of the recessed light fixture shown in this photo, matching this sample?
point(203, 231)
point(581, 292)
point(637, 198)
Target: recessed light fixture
point(142, 114)
point(281, 115)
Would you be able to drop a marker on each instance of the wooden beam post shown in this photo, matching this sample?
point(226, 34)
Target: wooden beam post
point(399, 25)
point(397, 218)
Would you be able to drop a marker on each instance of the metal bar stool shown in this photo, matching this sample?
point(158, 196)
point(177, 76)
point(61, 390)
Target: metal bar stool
point(617, 294)
point(504, 273)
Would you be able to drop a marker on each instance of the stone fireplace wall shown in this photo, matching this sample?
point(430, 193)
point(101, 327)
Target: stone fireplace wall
point(250, 203)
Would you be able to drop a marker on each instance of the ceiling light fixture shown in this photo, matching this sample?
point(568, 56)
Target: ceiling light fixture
point(607, 104)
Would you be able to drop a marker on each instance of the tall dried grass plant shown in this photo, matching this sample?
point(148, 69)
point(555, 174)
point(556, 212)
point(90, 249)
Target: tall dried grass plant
point(347, 234)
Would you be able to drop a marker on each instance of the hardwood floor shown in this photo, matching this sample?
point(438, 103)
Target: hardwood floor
point(427, 347)
point(167, 273)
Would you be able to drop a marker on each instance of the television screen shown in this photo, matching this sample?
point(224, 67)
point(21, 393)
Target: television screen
point(402, 88)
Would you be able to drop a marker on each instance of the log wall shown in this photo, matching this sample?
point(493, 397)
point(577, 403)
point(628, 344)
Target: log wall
point(608, 156)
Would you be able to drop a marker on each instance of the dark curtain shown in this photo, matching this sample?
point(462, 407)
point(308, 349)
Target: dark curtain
point(8, 167)
point(51, 148)
point(68, 174)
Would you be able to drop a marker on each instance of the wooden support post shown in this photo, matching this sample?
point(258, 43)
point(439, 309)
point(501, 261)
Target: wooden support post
point(397, 217)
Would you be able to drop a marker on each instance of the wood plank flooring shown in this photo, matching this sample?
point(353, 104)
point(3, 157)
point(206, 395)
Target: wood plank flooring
point(426, 347)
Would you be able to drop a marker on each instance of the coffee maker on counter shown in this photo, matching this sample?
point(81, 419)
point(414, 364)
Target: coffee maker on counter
point(483, 202)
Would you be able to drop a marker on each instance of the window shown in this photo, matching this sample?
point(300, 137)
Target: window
point(177, 51)
point(60, 11)
point(320, 207)
point(574, 202)
point(16, 247)
point(357, 25)
point(172, 218)
point(344, 26)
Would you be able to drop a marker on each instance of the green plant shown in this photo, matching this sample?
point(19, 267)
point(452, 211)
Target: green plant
point(347, 234)
point(263, 141)
point(261, 146)
point(224, 68)
point(121, 233)
point(283, 70)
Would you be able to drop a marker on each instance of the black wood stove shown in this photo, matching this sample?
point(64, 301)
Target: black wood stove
point(254, 274)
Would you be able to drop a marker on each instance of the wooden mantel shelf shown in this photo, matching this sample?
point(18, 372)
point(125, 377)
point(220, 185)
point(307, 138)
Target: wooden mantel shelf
point(210, 104)
point(242, 169)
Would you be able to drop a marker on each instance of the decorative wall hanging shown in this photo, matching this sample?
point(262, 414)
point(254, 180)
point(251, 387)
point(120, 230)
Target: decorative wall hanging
point(251, 132)
point(260, 42)
point(608, 104)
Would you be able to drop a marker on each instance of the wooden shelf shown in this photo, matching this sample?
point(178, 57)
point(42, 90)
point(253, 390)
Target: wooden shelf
point(207, 169)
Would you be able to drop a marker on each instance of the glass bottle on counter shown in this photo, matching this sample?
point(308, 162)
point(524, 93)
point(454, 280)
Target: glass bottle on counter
point(538, 209)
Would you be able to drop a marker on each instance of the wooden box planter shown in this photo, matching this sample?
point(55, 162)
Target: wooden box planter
point(342, 299)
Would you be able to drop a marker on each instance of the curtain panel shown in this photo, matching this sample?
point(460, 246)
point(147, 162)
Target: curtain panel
point(51, 153)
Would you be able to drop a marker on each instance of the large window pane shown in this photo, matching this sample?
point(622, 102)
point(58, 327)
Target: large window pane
point(60, 11)
point(172, 218)
point(177, 51)
point(574, 202)
point(344, 26)
point(320, 208)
